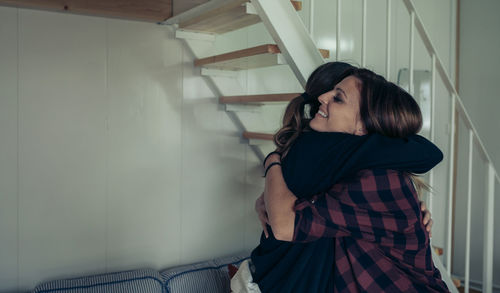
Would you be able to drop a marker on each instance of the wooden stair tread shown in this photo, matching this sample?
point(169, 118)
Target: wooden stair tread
point(461, 289)
point(297, 5)
point(325, 53)
point(241, 59)
point(226, 17)
point(267, 98)
point(259, 56)
point(438, 250)
point(257, 135)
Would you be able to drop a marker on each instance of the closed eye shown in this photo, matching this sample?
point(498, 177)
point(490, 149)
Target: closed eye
point(337, 99)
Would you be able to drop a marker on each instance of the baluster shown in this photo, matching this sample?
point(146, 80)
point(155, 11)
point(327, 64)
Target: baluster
point(469, 211)
point(363, 35)
point(412, 49)
point(489, 232)
point(388, 45)
point(451, 184)
point(337, 52)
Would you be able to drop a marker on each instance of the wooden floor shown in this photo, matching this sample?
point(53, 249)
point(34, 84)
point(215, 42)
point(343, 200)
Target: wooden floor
point(461, 290)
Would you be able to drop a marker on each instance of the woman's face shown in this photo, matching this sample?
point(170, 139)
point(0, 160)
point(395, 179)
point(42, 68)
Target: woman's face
point(339, 109)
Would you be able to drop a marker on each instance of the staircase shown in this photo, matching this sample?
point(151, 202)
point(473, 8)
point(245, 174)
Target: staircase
point(294, 48)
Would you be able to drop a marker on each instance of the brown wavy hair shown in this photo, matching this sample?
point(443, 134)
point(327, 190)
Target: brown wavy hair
point(385, 108)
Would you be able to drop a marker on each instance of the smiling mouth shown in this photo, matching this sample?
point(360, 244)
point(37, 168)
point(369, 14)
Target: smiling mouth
point(323, 114)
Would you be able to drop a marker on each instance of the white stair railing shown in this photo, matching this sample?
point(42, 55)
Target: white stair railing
point(474, 140)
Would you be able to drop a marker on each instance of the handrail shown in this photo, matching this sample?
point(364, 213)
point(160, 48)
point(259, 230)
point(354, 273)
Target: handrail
point(488, 251)
point(446, 79)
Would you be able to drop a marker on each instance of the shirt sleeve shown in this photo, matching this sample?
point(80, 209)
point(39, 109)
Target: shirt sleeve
point(378, 206)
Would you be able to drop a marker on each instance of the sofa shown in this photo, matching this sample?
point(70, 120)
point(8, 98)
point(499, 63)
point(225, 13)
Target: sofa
point(208, 276)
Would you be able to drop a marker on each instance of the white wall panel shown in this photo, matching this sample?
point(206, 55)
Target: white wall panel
point(400, 40)
point(254, 188)
point(350, 32)
point(325, 20)
point(479, 187)
point(479, 63)
point(145, 93)
point(213, 174)
point(496, 239)
point(376, 38)
point(62, 169)
point(438, 18)
point(460, 211)
point(8, 150)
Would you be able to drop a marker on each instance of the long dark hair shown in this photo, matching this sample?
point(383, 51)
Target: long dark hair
point(295, 119)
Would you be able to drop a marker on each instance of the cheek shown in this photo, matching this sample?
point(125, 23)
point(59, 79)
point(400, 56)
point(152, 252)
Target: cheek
point(343, 119)
point(337, 122)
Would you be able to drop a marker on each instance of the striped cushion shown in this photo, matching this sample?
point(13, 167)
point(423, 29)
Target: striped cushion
point(129, 281)
point(209, 276)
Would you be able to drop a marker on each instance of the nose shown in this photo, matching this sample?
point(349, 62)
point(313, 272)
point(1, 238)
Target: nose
point(323, 100)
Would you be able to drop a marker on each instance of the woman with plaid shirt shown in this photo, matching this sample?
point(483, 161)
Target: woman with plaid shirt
point(374, 217)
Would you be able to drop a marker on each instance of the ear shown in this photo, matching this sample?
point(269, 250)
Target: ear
point(360, 128)
point(360, 132)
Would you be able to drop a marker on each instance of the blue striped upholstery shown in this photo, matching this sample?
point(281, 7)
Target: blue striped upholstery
point(209, 276)
point(129, 281)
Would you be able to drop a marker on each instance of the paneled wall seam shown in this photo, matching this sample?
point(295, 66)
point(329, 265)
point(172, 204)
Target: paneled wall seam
point(453, 34)
point(17, 152)
point(182, 152)
point(245, 194)
point(388, 42)
point(311, 18)
point(106, 192)
point(245, 164)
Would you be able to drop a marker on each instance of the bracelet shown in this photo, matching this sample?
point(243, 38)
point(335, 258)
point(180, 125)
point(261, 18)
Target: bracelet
point(269, 167)
point(271, 153)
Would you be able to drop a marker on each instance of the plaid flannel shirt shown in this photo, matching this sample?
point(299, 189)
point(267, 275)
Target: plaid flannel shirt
point(381, 244)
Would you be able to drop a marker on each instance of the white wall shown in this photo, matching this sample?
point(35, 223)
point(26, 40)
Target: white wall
point(114, 153)
point(478, 79)
point(479, 62)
